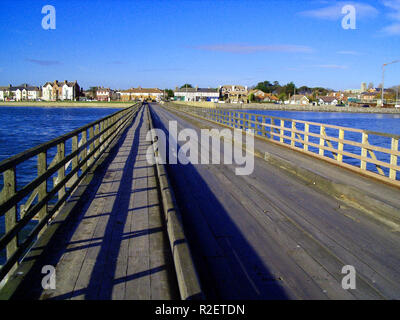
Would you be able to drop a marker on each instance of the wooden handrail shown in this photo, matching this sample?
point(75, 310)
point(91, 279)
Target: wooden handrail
point(101, 134)
point(21, 157)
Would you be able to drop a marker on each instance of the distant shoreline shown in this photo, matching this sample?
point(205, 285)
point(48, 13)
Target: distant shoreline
point(311, 108)
point(44, 104)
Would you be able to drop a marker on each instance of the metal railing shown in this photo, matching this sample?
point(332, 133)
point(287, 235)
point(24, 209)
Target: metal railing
point(62, 175)
point(362, 151)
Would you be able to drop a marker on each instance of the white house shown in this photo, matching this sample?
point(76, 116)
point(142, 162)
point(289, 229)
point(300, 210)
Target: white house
point(47, 92)
point(328, 101)
point(67, 92)
point(299, 99)
point(197, 94)
point(2, 93)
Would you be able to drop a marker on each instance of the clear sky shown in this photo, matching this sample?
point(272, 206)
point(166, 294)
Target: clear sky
point(127, 43)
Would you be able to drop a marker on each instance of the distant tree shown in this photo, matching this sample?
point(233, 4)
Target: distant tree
point(170, 93)
point(93, 92)
point(370, 85)
point(312, 98)
point(265, 86)
point(289, 88)
point(252, 98)
point(304, 89)
point(318, 91)
point(186, 85)
point(282, 96)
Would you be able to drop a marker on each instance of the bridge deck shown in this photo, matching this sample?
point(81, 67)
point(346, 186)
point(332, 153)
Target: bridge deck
point(116, 247)
point(272, 236)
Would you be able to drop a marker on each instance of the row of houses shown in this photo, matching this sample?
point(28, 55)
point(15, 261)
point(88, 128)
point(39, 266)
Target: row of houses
point(51, 91)
point(132, 94)
point(141, 94)
point(241, 94)
point(66, 90)
point(19, 93)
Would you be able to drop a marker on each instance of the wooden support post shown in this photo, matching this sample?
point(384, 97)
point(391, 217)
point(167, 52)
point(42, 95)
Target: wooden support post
point(271, 129)
point(101, 135)
point(393, 158)
point(306, 136)
point(75, 160)
point(340, 145)
point(322, 141)
point(42, 189)
point(61, 171)
point(364, 150)
point(91, 146)
point(84, 151)
point(263, 129)
point(96, 141)
point(282, 131)
point(9, 190)
point(293, 143)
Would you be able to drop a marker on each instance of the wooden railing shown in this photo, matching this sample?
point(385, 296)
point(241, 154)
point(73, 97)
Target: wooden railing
point(61, 176)
point(359, 150)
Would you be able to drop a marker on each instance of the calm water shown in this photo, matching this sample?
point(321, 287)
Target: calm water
point(24, 128)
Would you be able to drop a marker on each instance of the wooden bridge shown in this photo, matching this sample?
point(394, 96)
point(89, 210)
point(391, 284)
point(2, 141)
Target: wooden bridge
point(114, 226)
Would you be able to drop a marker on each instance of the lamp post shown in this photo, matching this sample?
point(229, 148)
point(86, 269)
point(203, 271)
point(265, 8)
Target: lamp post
point(383, 79)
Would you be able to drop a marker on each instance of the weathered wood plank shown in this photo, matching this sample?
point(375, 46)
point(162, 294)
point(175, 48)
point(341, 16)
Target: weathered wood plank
point(9, 190)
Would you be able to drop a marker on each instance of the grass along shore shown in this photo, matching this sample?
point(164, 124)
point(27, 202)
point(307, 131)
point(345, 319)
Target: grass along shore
point(66, 104)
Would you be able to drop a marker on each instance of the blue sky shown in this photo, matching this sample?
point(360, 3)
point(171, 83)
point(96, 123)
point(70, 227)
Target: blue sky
point(122, 44)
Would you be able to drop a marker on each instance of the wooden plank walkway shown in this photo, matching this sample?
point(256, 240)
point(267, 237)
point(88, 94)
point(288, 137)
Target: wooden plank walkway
point(117, 246)
point(271, 236)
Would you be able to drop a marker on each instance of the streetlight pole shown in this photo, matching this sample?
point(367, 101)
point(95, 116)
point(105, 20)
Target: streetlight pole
point(383, 79)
